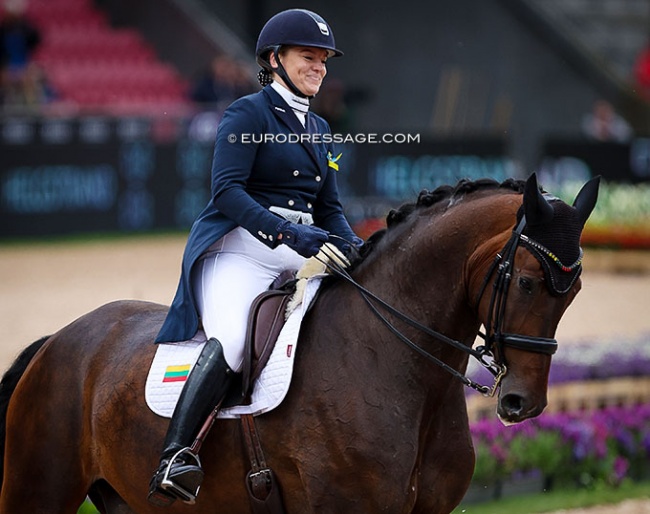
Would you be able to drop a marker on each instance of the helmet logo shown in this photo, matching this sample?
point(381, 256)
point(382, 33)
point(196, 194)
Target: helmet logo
point(323, 28)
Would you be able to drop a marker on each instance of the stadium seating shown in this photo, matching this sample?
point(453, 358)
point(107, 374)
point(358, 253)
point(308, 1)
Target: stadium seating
point(100, 68)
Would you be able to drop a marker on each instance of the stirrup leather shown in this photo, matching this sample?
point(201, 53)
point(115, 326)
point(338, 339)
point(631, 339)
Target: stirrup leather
point(168, 485)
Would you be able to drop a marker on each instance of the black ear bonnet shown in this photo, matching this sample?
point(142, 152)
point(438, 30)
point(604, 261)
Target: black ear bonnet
point(552, 232)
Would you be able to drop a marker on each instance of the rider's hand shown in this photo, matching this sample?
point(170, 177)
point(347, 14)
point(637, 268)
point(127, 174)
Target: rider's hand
point(357, 243)
point(304, 239)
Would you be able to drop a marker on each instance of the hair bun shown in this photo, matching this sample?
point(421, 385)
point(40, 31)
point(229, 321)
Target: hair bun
point(264, 77)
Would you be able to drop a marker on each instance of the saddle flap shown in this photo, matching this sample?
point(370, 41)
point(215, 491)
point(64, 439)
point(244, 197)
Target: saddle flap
point(265, 321)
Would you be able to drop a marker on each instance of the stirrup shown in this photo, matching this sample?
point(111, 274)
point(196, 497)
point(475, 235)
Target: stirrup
point(175, 489)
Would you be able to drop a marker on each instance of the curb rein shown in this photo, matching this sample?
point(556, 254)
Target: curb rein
point(484, 354)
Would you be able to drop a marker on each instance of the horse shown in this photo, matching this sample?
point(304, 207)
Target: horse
point(370, 424)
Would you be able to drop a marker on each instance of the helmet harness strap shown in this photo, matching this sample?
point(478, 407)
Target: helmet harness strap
point(282, 73)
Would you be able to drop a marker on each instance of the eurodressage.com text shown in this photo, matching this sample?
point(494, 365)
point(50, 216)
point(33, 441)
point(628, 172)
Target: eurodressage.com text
point(370, 138)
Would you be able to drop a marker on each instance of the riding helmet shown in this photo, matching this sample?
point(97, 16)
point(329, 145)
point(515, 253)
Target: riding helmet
point(294, 27)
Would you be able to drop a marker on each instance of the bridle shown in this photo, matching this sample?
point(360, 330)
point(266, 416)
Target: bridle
point(502, 267)
point(493, 336)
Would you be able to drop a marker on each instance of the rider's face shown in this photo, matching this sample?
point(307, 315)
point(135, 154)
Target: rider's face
point(305, 66)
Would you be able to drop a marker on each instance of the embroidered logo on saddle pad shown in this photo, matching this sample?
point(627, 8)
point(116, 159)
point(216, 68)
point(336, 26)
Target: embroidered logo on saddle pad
point(177, 373)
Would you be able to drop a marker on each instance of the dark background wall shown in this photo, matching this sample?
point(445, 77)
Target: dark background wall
point(450, 67)
point(488, 93)
point(445, 67)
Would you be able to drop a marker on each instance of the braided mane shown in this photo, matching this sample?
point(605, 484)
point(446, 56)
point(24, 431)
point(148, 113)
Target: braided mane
point(428, 198)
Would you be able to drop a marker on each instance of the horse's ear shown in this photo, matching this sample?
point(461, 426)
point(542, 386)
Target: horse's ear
point(536, 207)
point(586, 199)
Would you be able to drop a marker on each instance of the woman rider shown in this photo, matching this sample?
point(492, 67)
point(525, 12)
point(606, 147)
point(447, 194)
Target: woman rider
point(273, 205)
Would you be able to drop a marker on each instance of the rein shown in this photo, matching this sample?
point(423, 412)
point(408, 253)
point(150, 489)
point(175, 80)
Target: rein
point(480, 354)
point(483, 354)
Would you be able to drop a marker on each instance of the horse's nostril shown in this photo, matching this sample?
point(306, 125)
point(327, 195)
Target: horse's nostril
point(513, 404)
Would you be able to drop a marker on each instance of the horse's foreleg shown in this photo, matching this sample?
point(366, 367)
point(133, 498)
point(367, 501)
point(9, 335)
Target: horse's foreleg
point(447, 463)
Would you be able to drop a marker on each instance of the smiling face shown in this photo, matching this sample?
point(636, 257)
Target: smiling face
point(305, 66)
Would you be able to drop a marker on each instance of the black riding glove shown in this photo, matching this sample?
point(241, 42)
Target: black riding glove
point(304, 239)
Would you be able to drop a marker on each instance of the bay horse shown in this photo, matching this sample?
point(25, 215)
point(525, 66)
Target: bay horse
point(369, 425)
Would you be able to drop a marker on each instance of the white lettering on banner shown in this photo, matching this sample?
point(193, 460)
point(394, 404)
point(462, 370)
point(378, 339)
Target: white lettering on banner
point(57, 132)
point(48, 189)
point(94, 130)
point(18, 132)
point(400, 176)
point(558, 170)
point(136, 209)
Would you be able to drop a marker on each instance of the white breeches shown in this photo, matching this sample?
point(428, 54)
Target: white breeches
point(227, 279)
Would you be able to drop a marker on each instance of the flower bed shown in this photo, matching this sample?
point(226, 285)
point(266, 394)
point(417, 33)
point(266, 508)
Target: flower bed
point(577, 448)
point(566, 449)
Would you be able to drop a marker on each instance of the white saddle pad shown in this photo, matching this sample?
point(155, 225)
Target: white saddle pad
point(173, 362)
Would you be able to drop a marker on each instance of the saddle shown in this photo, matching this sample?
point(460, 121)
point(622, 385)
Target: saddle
point(265, 321)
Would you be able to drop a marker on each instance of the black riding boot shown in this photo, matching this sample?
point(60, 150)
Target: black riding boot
point(179, 474)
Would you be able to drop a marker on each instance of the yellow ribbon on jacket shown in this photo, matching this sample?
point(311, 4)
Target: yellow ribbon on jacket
point(332, 162)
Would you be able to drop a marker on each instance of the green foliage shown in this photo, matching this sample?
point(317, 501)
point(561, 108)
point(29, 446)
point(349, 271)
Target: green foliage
point(559, 499)
point(487, 468)
point(619, 205)
point(544, 452)
point(87, 508)
point(580, 448)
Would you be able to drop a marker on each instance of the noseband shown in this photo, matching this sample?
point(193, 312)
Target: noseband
point(502, 267)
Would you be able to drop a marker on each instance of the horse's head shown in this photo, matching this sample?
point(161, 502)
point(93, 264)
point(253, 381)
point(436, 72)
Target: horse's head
point(531, 283)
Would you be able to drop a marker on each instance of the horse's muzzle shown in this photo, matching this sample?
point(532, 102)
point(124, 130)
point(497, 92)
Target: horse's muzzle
point(514, 408)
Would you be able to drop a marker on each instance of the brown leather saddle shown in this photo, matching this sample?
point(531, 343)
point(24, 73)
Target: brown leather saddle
point(265, 321)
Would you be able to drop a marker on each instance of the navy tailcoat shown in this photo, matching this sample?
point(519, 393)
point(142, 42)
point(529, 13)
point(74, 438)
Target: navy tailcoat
point(248, 177)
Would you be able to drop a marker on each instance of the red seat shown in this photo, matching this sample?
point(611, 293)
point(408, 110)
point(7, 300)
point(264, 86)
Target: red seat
point(99, 67)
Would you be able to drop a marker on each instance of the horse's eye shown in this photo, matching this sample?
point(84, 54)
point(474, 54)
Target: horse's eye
point(526, 285)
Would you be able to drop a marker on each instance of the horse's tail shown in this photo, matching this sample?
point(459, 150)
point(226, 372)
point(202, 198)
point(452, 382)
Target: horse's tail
point(7, 387)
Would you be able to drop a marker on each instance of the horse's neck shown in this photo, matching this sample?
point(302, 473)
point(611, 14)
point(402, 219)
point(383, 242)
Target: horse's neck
point(356, 369)
point(421, 272)
point(425, 268)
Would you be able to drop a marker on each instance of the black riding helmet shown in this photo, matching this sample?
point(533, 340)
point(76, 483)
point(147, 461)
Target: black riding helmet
point(293, 27)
